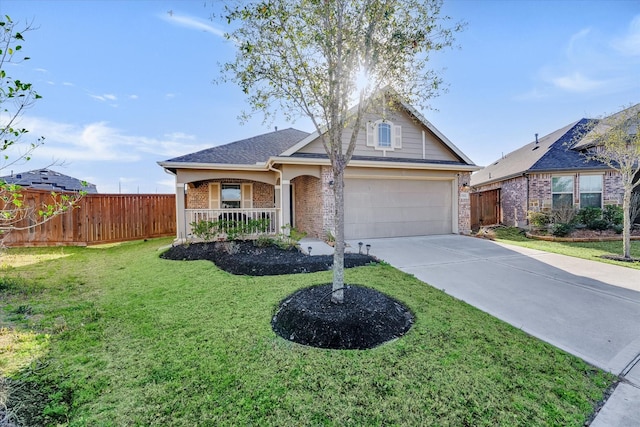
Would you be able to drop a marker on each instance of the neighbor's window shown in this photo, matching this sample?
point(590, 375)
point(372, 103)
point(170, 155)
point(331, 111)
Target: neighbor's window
point(384, 135)
point(562, 192)
point(591, 191)
point(231, 196)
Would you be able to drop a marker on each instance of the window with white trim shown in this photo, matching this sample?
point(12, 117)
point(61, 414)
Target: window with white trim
point(231, 196)
point(384, 135)
point(590, 191)
point(562, 192)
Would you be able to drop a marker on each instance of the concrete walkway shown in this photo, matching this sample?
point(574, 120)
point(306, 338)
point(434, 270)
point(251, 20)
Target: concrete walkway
point(587, 308)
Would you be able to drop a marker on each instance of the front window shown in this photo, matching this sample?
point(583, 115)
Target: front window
point(591, 191)
point(384, 135)
point(231, 196)
point(562, 192)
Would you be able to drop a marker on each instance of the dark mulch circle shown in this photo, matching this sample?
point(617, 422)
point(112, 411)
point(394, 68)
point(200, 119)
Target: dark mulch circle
point(366, 319)
point(620, 258)
point(245, 258)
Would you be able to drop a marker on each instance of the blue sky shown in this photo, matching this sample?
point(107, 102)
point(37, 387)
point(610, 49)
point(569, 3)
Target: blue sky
point(126, 83)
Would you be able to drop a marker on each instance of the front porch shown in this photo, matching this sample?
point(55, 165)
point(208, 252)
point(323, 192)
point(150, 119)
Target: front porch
point(254, 221)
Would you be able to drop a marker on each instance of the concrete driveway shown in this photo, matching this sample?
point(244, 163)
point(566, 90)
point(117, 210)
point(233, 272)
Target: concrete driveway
point(587, 308)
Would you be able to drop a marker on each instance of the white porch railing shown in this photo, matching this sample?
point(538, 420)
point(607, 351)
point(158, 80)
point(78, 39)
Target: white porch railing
point(246, 217)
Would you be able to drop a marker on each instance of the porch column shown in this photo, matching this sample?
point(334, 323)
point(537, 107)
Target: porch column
point(181, 224)
point(285, 202)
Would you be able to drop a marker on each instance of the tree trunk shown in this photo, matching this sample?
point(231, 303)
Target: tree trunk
point(337, 296)
point(626, 230)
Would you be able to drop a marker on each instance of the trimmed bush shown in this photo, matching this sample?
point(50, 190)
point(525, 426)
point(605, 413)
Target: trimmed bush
point(561, 230)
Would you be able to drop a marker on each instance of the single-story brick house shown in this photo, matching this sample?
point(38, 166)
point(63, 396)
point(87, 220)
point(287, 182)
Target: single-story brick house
point(405, 178)
point(50, 180)
point(548, 173)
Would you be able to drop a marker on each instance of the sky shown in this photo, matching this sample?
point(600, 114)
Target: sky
point(126, 84)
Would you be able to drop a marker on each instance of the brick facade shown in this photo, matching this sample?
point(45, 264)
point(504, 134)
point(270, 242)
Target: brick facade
point(308, 206)
point(198, 194)
point(514, 194)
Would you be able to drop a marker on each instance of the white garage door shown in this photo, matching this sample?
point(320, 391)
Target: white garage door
point(395, 208)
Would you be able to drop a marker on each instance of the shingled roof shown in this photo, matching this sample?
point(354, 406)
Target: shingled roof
point(257, 149)
point(553, 152)
point(47, 179)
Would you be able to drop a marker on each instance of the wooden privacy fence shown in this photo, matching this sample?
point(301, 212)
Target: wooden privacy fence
point(485, 208)
point(98, 218)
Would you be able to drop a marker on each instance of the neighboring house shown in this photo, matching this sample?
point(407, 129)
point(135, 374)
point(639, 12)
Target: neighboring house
point(46, 179)
point(405, 178)
point(549, 173)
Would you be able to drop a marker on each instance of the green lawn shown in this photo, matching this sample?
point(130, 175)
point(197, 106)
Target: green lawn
point(586, 250)
point(117, 336)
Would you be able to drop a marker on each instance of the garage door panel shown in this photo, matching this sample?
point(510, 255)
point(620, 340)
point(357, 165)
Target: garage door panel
point(389, 208)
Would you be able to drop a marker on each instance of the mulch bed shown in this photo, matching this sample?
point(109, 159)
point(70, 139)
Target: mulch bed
point(366, 319)
point(245, 258)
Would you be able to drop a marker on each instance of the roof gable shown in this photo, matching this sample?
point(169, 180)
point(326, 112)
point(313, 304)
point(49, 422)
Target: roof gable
point(47, 179)
point(257, 149)
point(406, 108)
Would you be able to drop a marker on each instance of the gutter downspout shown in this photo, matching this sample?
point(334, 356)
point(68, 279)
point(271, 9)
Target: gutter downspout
point(281, 209)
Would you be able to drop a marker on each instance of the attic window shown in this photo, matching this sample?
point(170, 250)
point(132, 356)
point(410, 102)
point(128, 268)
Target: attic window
point(384, 135)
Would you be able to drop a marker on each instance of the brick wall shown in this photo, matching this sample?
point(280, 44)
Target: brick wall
point(308, 206)
point(198, 194)
point(514, 194)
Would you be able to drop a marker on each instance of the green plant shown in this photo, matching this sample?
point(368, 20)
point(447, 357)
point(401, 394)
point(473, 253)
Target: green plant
point(565, 215)
point(290, 237)
point(613, 214)
point(561, 230)
point(588, 215)
point(538, 219)
point(598, 224)
point(205, 230)
point(330, 238)
point(617, 228)
point(231, 229)
point(264, 240)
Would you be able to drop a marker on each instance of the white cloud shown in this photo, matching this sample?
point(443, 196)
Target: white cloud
point(592, 63)
point(577, 82)
point(104, 97)
point(193, 23)
point(133, 96)
point(179, 135)
point(67, 84)
point(99, 142)
point(629, 44)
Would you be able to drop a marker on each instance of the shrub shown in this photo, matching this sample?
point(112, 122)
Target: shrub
point(232, 229)
point(617, 228)
point(613, 214)
point(564, 215)
point(538, 219)
point(561, 230)
point(588, 215)
point(290, 237)
point(598, 224)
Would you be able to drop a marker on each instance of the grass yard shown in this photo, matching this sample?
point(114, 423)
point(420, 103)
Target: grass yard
point(117, 336)
point(586, 250)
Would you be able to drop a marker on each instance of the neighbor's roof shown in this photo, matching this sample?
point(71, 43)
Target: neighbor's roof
point(626, 117)
point(47, 179)
point(257, 149)
point(553, 152)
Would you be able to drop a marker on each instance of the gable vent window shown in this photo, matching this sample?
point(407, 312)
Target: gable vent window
point(384, 135)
